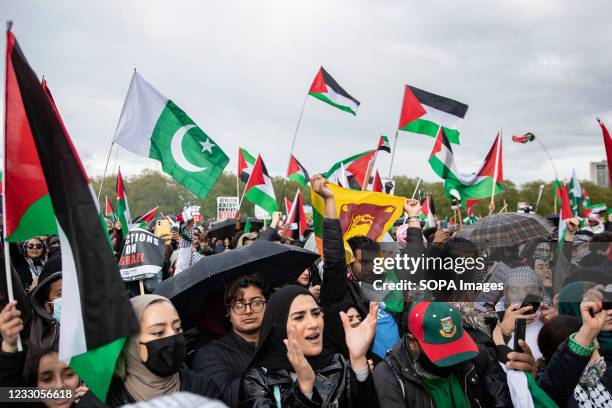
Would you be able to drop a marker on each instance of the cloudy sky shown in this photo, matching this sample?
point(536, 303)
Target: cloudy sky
point(241, 70)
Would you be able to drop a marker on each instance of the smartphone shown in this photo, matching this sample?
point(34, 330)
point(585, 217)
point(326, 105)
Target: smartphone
point(520, 327)
point(443, 225)
point(532, 300)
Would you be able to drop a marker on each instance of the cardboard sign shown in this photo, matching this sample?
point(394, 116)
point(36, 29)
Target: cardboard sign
point(227, 207)
point(142, 256)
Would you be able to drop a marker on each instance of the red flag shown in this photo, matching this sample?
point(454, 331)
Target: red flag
point(296, 217)
point(608, 146)
point(377, 184)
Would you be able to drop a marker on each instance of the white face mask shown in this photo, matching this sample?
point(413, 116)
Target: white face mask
point(593, 373)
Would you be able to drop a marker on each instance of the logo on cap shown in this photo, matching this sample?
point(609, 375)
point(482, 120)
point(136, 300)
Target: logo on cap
point(448, 327)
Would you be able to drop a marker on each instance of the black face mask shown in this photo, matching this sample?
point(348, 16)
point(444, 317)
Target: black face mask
point(165, 355)
point(431, 368)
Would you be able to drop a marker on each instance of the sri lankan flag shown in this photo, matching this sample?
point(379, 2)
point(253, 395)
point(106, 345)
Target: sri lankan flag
point(424, 112)
point(325, 88)
point(360, 213)
point(96, 314)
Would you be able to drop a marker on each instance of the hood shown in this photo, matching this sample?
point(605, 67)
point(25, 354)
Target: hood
point(38, 293)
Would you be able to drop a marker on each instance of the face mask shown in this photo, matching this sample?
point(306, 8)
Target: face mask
point(57, 308)
point(165, 355)
point(593, 373)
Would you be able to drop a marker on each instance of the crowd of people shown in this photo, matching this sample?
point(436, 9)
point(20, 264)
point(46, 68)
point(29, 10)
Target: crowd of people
point(332, 339)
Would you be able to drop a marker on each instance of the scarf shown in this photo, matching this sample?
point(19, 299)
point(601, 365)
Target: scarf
point(446, 392)
point(271, 350)
point(596, 396)
point(141, 383)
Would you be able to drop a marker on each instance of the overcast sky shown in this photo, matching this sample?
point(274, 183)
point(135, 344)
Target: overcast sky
point(241, 70)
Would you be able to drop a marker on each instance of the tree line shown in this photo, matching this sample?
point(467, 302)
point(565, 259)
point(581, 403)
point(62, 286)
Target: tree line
point(151, 188)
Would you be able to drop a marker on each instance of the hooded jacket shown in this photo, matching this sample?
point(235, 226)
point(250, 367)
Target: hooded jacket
point(398, 385)
point(45, 329)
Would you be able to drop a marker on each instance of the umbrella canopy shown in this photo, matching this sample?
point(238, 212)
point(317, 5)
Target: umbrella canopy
point(505, 229)
point(278, 264)
point(227, 228)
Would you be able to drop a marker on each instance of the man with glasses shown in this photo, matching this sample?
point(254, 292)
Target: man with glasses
point(226, 359)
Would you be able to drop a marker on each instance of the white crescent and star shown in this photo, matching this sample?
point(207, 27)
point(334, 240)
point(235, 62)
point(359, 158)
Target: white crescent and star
point(176, 147)
point(207, 146)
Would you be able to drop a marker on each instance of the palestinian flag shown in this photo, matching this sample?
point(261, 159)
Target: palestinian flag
point(608, 147)
point(586, 200)
point(471, 218)
point(144, 220)
point(108, 210)
point(96, 315)
point(377, 186)
point(564, 214)
point(296, 217)
point(526, 138)
point(424, 112)
point(152, 125)
point(123, 209)
point(383, 144)
point(575, 193)
point(297, 172)
point(594, 208)
point(245, 164)
point(259, 189)
point(428, 212)
point(325, 88)
point(467, 187)
point(355, 168)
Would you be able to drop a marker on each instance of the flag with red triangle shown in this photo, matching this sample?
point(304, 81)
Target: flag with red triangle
point(608, 147)
point(259, 189)
point(326, 89)
point(383, 144)
point(297, 172)
point(295, 217)
point(123, 208)
point(377, 183)
point(245, 164)
point(144, 220)
point(354, 169)
point(565, 213)
point(108, 210)
point(428, 212)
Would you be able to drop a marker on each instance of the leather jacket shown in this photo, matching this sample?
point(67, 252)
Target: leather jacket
point(335, 386)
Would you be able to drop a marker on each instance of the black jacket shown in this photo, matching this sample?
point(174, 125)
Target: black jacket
point(561, 375)
point(482, 379)
point(118, 395)
point(335, 386)
point(224, 361)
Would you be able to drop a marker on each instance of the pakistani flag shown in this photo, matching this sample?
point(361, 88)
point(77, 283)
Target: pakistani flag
point(424, 112)
point(97, 316)
point(123, 209)
point(297, 172)
point(259, 189)
point(326, 89)
point(575, 193)
point(153, 126)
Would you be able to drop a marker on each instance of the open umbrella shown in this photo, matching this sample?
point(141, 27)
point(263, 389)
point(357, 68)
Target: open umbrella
point(505, 229)
point(227, 228)
point(278, 264)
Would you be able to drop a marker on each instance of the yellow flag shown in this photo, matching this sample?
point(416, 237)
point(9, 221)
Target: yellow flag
point(360, 213)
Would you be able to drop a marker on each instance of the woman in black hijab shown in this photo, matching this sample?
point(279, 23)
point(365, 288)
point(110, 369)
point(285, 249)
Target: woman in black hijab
point(291, 367)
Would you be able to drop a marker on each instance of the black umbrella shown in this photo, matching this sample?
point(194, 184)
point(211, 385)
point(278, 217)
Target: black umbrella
point(278, 264)
point(227, 228)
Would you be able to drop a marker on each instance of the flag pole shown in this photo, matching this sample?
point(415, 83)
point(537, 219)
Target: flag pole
point(7, 252)
point(111, 150)
point(393, 154)
point(416, 188)
point(297, 127)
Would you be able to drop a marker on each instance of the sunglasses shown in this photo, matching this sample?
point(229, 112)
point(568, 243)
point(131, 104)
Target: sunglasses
point(35, 246)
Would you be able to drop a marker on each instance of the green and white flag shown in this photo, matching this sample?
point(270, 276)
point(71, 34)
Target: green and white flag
point(152, 125)
point(575, 193)
point(123, 209)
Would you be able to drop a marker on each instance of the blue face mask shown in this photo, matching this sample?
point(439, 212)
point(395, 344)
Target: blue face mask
point(57, 308)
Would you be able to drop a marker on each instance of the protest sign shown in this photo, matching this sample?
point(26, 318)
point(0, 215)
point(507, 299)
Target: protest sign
point(227, 207)
point(142, 256)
